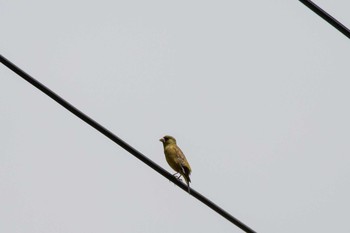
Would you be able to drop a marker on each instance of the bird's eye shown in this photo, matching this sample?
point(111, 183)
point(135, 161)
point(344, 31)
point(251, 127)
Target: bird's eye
point(166, 139)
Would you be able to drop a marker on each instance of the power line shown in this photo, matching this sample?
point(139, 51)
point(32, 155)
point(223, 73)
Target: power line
point(323, 14)
point(123, 144)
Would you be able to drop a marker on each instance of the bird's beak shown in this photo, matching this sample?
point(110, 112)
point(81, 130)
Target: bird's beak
point(162, 139)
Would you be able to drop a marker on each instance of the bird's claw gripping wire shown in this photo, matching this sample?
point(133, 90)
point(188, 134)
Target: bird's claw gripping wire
point(177, 177)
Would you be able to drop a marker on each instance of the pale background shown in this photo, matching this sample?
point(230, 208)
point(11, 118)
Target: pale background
point(256, 93)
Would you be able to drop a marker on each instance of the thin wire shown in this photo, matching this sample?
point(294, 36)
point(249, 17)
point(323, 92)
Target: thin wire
point(323, 14)
point(123, 144)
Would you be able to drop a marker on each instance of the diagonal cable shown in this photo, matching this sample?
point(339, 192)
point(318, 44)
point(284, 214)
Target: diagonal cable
point(123, 144)
point(323, 14)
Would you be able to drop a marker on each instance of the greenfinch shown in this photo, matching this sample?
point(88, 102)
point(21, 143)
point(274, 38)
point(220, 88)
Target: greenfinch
point(176, 159)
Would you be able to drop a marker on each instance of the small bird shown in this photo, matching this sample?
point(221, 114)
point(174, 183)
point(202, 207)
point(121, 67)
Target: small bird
point(176, 159)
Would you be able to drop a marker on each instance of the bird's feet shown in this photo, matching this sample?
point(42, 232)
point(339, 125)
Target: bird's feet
point(177, 177)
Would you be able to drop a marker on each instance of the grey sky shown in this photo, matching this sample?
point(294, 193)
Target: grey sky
point(256, 93)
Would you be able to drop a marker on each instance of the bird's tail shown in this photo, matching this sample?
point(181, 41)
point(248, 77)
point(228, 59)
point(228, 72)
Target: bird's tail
point(186, 171)
point(188, 180)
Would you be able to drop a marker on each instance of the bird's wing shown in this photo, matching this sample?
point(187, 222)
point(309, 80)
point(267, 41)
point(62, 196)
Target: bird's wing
point(185, 166)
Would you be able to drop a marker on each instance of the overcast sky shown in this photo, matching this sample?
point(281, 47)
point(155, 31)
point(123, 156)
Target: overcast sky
point(255, 92)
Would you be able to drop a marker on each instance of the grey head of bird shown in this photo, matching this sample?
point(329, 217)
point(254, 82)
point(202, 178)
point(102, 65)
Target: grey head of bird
point(166, 140)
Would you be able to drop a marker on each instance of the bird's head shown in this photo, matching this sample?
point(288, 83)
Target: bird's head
point(166, 140)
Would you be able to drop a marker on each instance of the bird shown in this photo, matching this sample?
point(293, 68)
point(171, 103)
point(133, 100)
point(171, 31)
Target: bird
point(176, 159)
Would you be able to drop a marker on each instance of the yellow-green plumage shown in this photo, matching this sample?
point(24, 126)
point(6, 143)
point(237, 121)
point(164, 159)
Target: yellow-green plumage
point(176, 159)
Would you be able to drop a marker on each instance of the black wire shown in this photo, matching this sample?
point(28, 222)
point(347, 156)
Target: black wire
point(323, 14)
point(123, 144)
